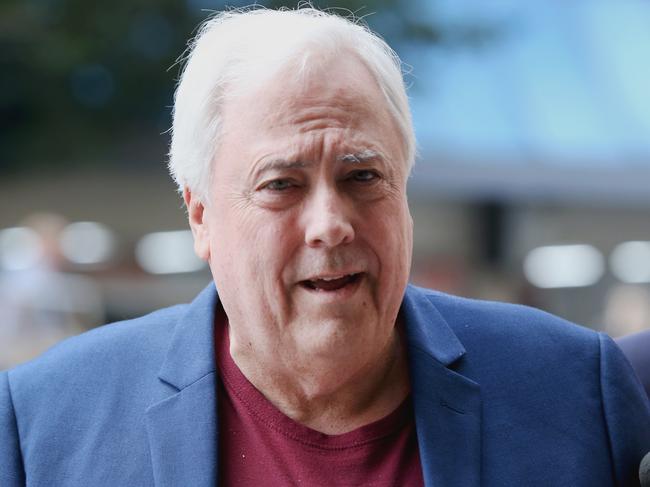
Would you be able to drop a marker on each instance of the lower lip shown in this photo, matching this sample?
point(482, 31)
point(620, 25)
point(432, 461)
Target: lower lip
point(342, 293)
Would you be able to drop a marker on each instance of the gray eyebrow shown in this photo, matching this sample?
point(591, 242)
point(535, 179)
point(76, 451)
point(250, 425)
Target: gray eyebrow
point(359, 157)
point(351, 158)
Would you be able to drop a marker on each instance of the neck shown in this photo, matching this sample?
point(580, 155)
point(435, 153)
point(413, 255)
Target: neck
point(330, 396)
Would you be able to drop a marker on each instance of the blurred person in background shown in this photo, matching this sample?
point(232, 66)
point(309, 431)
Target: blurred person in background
point(627, 310)
point(40, 303)
point(310, 359)
point(637, 349)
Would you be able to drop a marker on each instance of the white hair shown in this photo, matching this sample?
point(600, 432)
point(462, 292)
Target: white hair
point(239, 48)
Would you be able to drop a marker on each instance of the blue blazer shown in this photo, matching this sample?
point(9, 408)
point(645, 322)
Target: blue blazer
point(503, 395)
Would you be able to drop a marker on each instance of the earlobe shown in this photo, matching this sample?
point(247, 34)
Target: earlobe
point(196, 215)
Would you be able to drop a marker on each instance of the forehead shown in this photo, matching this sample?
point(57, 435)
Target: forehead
point(332, 94)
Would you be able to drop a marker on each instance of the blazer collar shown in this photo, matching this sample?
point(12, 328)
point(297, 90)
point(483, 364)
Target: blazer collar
point(447, 405)
point(191, 352)
point(182, 427)
point(427, 330)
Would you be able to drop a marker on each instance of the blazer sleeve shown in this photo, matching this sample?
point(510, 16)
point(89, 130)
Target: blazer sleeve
point(627, 413)
point(12, 473)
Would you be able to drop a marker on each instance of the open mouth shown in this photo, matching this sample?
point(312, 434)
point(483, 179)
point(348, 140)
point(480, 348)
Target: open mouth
point(333, 283)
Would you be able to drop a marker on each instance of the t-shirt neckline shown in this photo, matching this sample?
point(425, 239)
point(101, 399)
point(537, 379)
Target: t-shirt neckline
point(259, 406)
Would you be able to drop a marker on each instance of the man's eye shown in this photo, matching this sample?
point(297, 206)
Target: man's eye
point(364, 176)
point(279, 185)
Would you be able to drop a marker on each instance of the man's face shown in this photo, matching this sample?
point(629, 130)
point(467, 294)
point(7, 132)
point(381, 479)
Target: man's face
point(307, 230)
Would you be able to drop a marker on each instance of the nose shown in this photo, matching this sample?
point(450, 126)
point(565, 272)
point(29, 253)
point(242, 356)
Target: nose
point(328, 221)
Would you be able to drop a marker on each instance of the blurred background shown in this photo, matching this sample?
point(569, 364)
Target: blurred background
point(531, 186)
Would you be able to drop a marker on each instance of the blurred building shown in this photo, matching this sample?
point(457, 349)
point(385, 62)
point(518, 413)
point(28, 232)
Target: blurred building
point(531, 186)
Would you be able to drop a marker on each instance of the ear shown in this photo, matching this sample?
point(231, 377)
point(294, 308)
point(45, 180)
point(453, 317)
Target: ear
point(196, 215)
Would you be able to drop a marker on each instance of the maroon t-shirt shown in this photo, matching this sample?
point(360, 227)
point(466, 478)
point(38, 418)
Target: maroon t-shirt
point(259, 445)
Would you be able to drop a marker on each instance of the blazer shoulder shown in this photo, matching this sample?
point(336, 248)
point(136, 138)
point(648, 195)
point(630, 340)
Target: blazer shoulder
point(526, 338)
point(500, 320)
point(82, 404)
point(136, 343)
point(510, 344)
point(542, 375)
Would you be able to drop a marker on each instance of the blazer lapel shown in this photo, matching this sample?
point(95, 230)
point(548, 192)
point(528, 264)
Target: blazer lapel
point(182, 421)
point(447, 405)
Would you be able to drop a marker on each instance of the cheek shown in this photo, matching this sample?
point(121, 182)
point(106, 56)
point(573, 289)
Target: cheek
point(254, 244)
point(229, 229)
point(393, 243)
point(392, 231)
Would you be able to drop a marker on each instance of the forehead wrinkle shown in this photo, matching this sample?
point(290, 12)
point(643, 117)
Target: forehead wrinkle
point(343, 110)
point(321, 117)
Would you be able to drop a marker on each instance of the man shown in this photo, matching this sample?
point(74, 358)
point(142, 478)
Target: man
point(310, 361)
point(636, 348)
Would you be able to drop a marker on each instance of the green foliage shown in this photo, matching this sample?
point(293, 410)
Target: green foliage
point(93, 81)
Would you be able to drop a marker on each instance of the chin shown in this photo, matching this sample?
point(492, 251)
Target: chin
point(331, 336)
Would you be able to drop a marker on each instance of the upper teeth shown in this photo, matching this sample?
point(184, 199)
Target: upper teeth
point(331, 278)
